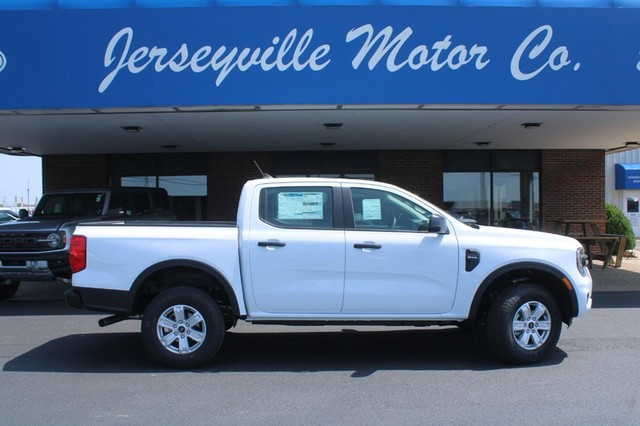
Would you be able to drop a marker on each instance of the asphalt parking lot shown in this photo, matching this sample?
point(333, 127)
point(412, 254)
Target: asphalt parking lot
point(59, 367)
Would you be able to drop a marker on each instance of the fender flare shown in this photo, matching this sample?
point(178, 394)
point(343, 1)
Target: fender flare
point(193, 264)
point(486, 283)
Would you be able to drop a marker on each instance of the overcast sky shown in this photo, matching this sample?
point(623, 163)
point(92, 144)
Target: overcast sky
point(17, 174)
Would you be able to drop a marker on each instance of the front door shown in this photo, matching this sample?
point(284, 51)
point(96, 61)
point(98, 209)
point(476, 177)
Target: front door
point(394, 266)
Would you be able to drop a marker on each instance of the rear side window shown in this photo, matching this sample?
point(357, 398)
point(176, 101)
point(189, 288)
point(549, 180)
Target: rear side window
point(141, 204)
point(297, 207)
point(120, 205)
point(161, 201)
point(137, 204)
point(72, 204)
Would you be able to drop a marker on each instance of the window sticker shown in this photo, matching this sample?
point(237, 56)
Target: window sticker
point(371, 209)
point(300, 205)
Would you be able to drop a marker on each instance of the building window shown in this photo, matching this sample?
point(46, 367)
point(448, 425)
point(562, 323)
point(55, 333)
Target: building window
point(187, 193)
point(184, 176)
point(498, 188)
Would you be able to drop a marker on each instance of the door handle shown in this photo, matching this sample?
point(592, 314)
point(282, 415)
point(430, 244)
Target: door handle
point(368, 246)
point(271, 244)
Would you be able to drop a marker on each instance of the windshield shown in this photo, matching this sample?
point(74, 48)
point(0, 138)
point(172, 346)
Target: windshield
point(79, 204)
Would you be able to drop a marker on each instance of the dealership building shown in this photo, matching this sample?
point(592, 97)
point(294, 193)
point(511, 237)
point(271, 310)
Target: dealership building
point(500, 110)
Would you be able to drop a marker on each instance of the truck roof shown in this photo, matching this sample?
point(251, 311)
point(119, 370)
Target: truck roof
point(119, 189)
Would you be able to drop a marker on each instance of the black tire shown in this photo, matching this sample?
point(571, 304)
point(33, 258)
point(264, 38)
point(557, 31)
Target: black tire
point(189, 322)
point(8, 290)
point(523, 324)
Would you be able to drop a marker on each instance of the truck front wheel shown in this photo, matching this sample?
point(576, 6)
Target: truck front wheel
point(523, 323)
point(183, 327)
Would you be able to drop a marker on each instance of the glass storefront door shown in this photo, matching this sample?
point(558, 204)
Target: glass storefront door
point(503, 190)
point(467, 196)
point(509, 199)
point(515, 200)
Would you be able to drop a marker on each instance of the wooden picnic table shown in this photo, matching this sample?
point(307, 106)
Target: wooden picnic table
point(585, 225)
point(607, 242)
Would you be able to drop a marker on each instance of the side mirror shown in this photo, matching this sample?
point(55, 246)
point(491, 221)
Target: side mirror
point(438, 225)
point(23, 213)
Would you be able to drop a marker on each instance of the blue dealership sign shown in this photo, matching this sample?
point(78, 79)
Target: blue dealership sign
point(318, 55)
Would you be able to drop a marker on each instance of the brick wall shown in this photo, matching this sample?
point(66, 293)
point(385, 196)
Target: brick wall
point(571, 181)
point(417, 171)
point(74, 171)
point(571, 186)
point(228, 172)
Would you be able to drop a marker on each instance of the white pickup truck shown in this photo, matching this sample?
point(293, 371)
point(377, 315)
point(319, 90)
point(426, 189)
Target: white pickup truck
point(328, 251)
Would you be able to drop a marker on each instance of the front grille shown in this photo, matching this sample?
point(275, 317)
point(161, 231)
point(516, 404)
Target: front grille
point(24, 242)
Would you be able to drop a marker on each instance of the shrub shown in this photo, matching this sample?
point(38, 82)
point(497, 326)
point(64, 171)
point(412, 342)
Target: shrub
point(618, 223)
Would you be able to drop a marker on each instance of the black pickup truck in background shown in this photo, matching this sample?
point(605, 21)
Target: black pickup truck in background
point(36, 248)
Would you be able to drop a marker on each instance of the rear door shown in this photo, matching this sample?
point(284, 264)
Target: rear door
point(297, 249)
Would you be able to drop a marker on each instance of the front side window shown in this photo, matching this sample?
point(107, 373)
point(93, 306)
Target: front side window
point(297, 207)
point(385, 211)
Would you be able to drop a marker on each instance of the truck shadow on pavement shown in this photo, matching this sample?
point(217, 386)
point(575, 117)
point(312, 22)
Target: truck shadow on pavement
point(363, 352)
point(42, 307)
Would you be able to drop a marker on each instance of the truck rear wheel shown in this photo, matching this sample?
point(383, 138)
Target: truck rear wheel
point(8, 290)
point(183, 327)
point(523, 324)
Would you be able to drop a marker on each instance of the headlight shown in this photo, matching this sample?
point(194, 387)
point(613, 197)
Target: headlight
point(581, 262)
point(54, 240)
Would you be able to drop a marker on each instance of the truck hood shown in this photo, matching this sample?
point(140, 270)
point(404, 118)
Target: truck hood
point(520, 238)
point(34, 225)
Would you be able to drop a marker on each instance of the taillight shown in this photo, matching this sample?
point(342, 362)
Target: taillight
point(78, 253)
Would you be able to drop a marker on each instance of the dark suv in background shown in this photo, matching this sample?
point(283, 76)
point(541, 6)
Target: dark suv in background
point(36, 248)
